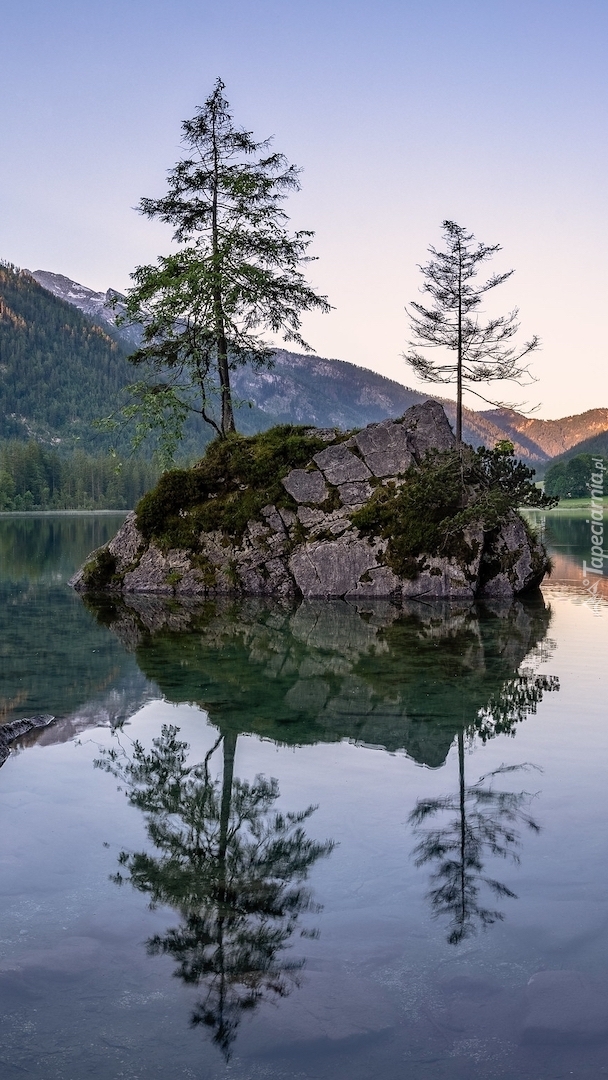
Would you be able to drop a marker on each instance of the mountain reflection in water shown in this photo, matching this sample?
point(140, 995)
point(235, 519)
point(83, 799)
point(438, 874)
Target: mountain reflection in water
point(230, 863)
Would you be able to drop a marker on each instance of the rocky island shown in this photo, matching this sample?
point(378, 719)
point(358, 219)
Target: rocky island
point(392, 511)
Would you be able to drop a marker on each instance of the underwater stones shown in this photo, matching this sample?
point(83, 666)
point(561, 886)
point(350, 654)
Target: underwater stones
point(306, 487)
point(385, 447)
point(340, 465)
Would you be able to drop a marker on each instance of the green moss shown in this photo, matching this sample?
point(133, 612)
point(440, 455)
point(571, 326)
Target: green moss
point(332, 502)
point(235, 479)
point(233, 574)
point(173, 578)
point(100, 572)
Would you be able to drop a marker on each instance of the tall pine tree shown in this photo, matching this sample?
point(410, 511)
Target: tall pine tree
point(483, 350)
point(236, 274)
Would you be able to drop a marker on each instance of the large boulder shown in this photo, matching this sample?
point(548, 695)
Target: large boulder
point(312, 547)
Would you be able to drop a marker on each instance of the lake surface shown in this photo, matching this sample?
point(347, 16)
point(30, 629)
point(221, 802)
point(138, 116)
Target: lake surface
point(322, 840)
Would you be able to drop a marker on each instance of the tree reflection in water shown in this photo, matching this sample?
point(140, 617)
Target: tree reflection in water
point(485, 822)
point(232, 865)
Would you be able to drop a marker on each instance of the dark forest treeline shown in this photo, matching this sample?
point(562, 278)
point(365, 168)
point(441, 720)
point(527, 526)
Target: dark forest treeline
point(33, 478)
point(60, 372)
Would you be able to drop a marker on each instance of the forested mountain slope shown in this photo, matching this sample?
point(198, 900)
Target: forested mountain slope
point(58, 370)
point(303, 389)
point(597, 446)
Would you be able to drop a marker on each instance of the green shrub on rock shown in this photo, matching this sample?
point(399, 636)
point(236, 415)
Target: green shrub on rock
point(442, 497)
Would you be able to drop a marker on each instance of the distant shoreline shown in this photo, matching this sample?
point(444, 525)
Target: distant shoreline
point(57, 513)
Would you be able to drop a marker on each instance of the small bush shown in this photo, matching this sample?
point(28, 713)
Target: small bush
point(440, 498)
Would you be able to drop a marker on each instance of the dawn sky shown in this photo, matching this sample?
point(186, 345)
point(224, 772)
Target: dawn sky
point(489, 112)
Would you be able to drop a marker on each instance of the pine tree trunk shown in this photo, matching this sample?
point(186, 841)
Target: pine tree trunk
point(229, 747)
point(227, 425)
point(459, 368)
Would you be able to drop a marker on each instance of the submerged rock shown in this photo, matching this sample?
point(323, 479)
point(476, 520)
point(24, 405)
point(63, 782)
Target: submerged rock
point(306, 543)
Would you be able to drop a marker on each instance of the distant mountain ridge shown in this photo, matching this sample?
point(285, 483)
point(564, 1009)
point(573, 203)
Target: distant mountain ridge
point(98, 306)
point(302, 389)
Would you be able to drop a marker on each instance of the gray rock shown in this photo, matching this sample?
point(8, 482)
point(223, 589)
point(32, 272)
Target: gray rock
point(126, 547)
point(355, 494)
point(150, 576)
point(324, 434)
point(127, 543)
point(379, 582)
point(386, 448)
point(287, 517)
point(16, 728)
point(428, 428)
point(332, 568)
point(319, 553)
point(564, 1005)
point(274, 519)
point(306, 487)
point(513, 561)
point(309, 518)
point(340, 465)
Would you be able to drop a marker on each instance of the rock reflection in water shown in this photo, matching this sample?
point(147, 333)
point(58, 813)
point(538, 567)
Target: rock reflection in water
point(409, 678)
point(232, 865)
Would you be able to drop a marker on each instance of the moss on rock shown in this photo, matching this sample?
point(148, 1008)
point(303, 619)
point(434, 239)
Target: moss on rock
point(101, 571)
point(228, 488)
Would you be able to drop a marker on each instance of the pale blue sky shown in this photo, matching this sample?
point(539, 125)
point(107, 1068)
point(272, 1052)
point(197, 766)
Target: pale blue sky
point(401, 114)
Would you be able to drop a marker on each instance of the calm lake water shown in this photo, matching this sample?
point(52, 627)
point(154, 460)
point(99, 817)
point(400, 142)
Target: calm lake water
point(312, 841)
